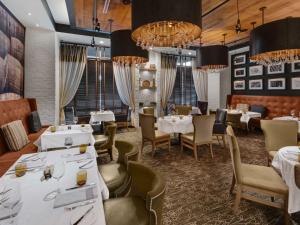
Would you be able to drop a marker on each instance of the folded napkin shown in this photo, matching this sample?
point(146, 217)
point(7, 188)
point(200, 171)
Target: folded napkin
point(78, 195)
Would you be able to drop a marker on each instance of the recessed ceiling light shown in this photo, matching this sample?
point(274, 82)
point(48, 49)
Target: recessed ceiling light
point(29, 14)
point(190, 53)
point(150, 48)
point(37, 25)
point(101, 42)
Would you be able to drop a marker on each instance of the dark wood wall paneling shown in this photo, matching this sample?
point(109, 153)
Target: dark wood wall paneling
point(288, 74)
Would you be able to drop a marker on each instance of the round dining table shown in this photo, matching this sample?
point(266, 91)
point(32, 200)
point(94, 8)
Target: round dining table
point(176, 124)
point(284, 162)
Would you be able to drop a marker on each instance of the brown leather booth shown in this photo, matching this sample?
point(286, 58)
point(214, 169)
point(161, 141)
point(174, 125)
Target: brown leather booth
point(16, 110)
point(276, 105)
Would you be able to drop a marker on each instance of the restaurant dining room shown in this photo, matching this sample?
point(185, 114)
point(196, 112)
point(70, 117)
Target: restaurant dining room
point(150, 112)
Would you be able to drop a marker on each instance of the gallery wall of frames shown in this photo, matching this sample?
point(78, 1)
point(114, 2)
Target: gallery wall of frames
point(248, 78)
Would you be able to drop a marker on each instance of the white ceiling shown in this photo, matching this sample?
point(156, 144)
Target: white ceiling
point(30, 12)
point(59, 11)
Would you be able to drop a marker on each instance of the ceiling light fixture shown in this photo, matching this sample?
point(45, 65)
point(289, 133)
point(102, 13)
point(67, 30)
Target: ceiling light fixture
point(101, 42)
point(163, 23)
point(29, 14)
point(37, 25)
point(212, 58)
point(276, 42)
point(124, 50)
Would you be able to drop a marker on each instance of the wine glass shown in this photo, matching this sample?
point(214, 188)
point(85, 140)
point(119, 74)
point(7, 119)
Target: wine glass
point(68, 142)
point(75, 120)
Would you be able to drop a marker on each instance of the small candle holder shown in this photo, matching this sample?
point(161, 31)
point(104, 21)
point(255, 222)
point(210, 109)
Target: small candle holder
point(53, 129)
point(81, 177)
point(82, 148)
point(20, 169)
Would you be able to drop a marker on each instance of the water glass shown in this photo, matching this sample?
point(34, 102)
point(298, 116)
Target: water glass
point(75, 120)
point(68, 142)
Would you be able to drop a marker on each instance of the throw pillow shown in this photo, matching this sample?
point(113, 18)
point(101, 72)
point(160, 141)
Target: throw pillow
point(34, 122)
point(15, 135)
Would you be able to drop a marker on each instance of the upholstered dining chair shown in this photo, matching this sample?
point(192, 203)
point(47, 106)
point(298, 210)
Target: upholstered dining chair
point(183, 109)
point(104, 143)
point(219, 129)
point(262, 180)
point(297, 175)
point(115, 174)
point(156, 137)
point(234, 120)
point(278, 134)
point(148, 110)
point(144, 203)
point(203, 106)
point(203, 134)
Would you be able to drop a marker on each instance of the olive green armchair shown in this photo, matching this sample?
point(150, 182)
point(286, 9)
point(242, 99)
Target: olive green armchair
point(115, 174)
point(104, 143)
point(143, 206)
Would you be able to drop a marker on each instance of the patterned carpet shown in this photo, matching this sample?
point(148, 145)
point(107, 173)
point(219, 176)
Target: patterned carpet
point(198, 191)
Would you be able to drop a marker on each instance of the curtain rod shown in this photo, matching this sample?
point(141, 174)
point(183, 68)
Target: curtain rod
point(82, 44)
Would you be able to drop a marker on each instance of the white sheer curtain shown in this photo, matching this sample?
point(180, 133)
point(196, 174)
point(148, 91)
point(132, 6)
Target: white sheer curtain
point(73, 60)
point(201, 83)
point(167, 79)
point(125, 82)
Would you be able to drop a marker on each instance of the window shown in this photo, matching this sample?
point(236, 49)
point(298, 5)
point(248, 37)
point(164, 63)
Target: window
point(184, 89)
point(97, 87)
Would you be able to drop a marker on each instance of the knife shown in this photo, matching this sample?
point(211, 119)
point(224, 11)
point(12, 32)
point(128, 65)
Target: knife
point(81, 218)
point(77, 187)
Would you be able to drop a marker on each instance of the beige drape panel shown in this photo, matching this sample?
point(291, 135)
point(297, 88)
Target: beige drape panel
point(167, 79)
point(73, 60)
point(125, 81)
point(201, 82)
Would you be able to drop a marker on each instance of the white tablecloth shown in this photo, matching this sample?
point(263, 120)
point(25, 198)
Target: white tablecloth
point(79, 135)
point(98, 117)
point(245, 116)
point(173, 124)
point(285, 161)
point(36, 211)
point(195, 110)
point(289, 118)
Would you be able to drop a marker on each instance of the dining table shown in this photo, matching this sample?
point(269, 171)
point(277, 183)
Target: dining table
point(77, 134)
point(175, 124)
point(289, 118)
point(284, 162)
point(246, 116)
point(57, 200)
point(98, 117)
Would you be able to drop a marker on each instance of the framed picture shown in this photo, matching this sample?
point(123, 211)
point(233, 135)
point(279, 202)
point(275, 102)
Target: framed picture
point(256, 84)
point(239, 85)
point(276, 68)
point(296, 66)
point(256, 70)
point(276, 84)
point(295, 83)
point(240, 72)
point(239, 60)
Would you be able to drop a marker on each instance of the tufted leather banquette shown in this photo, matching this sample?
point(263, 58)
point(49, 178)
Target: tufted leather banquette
point(16, 110)
point(276, 105)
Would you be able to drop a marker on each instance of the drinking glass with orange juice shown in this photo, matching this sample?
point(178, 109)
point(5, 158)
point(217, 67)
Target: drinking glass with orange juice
point(82, 148)
point(81, 177)
point(20, 169)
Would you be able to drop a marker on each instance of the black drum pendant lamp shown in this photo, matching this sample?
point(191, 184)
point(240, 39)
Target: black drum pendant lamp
point(276, 42)
point(124, 50)
point(212, 58)
point(166, 23)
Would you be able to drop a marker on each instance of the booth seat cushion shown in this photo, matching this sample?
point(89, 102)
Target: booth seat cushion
point(126, 211)
point(259, 109)
point(9, 158)
point(34, 122)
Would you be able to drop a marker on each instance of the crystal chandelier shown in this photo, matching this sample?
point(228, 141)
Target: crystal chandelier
point(163, 23)
point(276, 42)
point(124, 50)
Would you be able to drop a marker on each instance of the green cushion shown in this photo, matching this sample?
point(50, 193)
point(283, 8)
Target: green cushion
point(114, 175)
point(126, 211)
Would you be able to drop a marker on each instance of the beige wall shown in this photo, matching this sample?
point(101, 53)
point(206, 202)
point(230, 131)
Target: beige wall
point(41, 71)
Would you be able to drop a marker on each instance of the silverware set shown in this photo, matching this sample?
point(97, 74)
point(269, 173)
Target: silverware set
point(83, 186)
point(84, 165)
